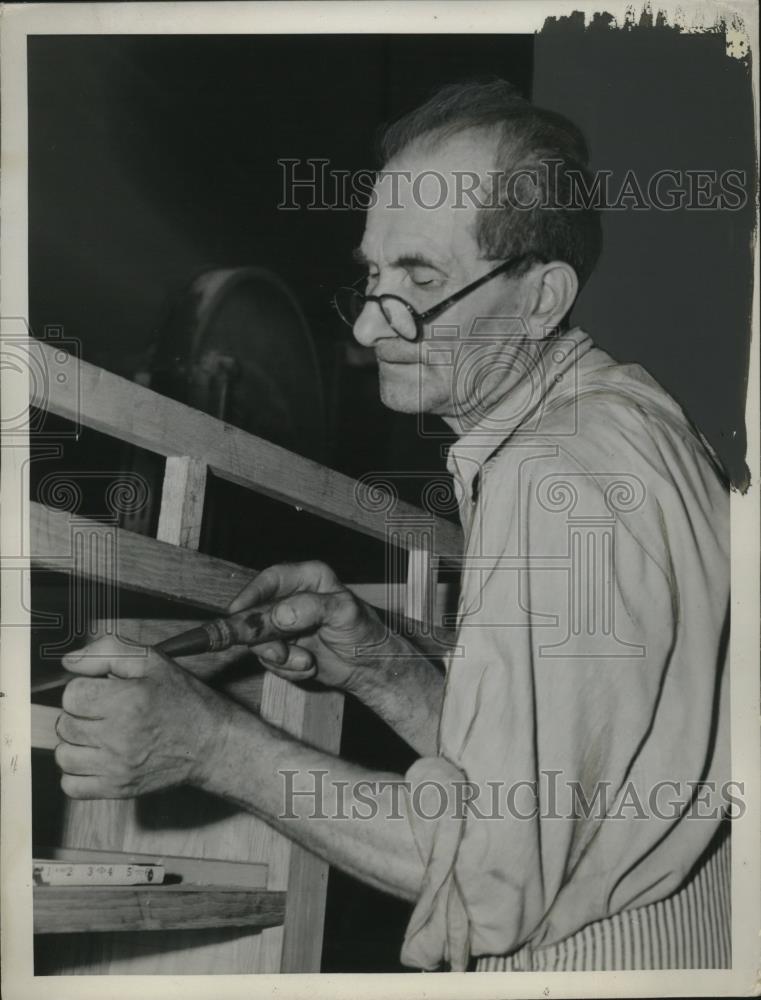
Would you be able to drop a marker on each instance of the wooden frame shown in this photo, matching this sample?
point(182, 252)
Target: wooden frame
point(169, 567)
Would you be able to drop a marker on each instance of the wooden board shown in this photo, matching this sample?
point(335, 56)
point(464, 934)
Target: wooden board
point(148, 566)
point(297, 945)
point(181, 511)
point(115, 406)
point(70, 910)
point(126, 559)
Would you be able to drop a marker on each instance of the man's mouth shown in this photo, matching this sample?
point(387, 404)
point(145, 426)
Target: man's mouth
point(398, 361)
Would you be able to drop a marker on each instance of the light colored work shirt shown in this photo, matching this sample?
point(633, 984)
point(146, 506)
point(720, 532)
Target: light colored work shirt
point(587, 698)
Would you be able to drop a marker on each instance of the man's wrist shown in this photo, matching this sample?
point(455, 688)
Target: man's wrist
point(214, 750)
point(380, 666)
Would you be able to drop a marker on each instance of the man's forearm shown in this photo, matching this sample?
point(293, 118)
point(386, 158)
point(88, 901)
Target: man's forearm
point(354, 818)
point(403, 688)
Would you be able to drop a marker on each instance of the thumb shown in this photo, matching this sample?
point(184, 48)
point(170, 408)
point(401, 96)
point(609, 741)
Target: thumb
point(109, 655)
point(301, 613)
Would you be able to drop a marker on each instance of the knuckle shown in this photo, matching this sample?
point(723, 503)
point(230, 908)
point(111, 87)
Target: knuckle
point(122, 790)
point(128, 697)
point(266, 580)
point(62, 725)
point(129, 702)
point(68, 698)
point(72, 786)
point(75, 694)
point(128, 751)
point(120, 771)
point(139, 697)
point(110, 645)
point(300, 659)
point(319, 570)
point(343, 607)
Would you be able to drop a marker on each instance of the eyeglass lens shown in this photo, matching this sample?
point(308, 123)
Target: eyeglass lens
point(351, 302)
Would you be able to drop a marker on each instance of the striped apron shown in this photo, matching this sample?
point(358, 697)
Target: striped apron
point(690, 929)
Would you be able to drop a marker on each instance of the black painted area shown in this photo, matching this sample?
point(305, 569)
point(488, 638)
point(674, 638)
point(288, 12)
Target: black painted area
point(673, 288)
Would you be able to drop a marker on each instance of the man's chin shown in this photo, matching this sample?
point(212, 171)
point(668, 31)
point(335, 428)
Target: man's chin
point(400, 402)
point(399, 393)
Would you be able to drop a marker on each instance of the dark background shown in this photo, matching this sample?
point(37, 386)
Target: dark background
point(154, 157)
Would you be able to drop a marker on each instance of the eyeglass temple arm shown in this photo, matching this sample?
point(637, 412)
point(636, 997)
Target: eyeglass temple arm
point(441, 306)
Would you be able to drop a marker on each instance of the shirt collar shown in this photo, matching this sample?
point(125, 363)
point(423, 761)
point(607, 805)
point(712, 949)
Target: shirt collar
point(546, 380)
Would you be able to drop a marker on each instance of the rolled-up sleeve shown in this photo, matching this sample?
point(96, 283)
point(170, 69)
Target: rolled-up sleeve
point(439, 928)
point(585, 702)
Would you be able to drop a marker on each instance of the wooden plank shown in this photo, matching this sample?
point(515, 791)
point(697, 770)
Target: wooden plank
point(182, 496)
point(142, 564)
point(133, 413)
point(192, 871)
point(70, 910)
point(44, 736)
point(297, 945)
point(308, 875)
point(152, 567)
point(418, 598)
point(51, 681)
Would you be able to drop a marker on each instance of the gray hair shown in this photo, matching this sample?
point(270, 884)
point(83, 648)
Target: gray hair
point(550, 153)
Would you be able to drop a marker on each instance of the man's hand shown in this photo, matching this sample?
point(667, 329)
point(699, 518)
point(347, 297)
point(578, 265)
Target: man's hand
point(134, 722)
point(318, 628)
point(324, 626)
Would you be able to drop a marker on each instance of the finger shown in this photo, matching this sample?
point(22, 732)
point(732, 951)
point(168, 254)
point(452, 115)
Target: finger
point(306, 612)
point(109, 655)
point(89, 697)
point(88, 787)
point(282, 580)
point(299, 665)
point(80, 760)
point(257, 591)
point(271, 653)
point(80, 732)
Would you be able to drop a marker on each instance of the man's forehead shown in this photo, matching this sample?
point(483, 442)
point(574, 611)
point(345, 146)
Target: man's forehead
point(420, 201)
point(393, 233)
point(471, 150)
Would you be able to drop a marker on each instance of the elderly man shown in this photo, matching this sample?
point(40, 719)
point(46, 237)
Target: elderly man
point(567, 809)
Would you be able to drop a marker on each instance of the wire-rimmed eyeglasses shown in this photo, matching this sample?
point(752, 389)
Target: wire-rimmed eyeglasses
point(403, 319)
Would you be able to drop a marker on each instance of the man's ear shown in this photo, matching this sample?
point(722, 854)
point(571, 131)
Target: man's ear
point(555, 288)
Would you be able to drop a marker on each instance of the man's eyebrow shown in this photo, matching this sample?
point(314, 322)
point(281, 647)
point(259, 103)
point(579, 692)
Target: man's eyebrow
point(418, 260)
point(405, 260)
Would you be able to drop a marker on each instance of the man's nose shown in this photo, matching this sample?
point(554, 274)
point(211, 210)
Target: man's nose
point(371, 326)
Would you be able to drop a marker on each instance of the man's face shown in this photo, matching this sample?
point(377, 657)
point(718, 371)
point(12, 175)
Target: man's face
point(423, 255)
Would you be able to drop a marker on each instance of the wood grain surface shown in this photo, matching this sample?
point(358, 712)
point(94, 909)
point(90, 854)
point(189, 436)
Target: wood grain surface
point(70, 910)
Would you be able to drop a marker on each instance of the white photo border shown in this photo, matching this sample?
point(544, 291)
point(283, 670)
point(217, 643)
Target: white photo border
point(17, 22)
